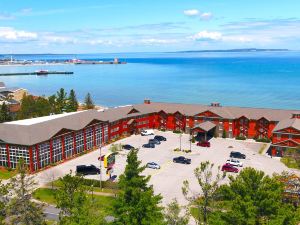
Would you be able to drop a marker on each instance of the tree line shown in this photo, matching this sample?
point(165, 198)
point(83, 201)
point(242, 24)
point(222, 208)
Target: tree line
point(32, 106)
point(249, 198)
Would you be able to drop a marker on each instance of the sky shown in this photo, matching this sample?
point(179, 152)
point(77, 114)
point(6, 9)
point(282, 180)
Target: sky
point(102, 26)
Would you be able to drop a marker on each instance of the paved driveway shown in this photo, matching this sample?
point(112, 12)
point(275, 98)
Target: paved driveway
point(168, 180)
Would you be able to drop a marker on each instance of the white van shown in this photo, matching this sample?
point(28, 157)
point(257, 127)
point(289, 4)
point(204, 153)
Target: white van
point(147, 132)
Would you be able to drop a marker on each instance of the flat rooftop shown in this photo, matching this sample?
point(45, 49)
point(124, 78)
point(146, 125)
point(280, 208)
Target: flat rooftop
point(32, 121)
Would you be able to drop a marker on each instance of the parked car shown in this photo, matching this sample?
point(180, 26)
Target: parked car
point(147, 132)
point(87, 170)
point(234, 162)
point(149, 145)
point(203, 144)
point(154, 141)
point(160, 138)
point(182, 160)
point(229, 168)
point(127, 147)
point(153, 165)
point(237, 155)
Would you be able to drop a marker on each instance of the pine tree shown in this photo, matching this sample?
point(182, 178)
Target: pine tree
point(136, 203)
point(88, 102)
point(61, 100)
point(72, 104)
point(21, 210)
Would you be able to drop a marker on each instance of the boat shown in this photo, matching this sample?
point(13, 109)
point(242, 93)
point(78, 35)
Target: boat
point(42, 72)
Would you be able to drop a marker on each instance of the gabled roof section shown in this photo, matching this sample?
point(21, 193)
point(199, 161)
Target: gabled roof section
point(206, 126)
point(288, 142)
point(288, 123)
point(208, 113)
point(133, 110)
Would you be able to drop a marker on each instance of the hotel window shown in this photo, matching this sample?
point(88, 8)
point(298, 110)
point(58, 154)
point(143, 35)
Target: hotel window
point(34, 158)
point(89, 138)
point(79, 142)
point(57, 150)
point(16, 153)
point(290, 136)
point(125, 126)
point(279, 136)
point(105, 133)
point(3, 156)
point(98, 130)
point(69, 146)
point(44, 154)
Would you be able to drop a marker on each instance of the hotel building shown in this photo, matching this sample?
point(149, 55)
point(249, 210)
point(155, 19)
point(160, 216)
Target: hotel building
point(52, 139)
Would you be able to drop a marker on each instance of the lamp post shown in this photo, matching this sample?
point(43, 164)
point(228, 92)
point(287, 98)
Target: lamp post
point(100, 167)
point(190, 141)
point(180, 135)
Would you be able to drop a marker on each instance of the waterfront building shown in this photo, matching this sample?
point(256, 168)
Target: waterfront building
point(52, 139)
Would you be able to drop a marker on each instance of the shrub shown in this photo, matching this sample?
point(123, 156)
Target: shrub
point(163, 129)
point(224, 135)
point(193, 139)
point(96, 183)
point(241, 138)
point(176, 150)
point(177, 132)
point(264, 140)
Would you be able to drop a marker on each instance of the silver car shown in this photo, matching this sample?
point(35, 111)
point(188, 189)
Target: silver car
point(153, 165)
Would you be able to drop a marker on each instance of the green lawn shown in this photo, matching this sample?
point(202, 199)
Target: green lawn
point(45, 195)
point(102, 203)
point(5, 174)
point(289, 162)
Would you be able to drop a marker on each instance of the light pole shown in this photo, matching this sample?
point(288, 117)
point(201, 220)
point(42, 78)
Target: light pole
point(100, 167)
point(180, 140)
point(190, 141)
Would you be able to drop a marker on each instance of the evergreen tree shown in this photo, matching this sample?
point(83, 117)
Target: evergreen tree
point(61, 100)
point(4, 113)
point(88, 102)
point(21, 210)
point(27, 107)
point(136, 203)
point(72, 104)
point(42, 107)
point(53, 104)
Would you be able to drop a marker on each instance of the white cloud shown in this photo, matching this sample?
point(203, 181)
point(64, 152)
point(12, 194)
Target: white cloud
point(207, 36)
point(5, 16)
point(206, 15)
point(198, 14)
point(154, 41)
point(191, 12)
point(59, 39)
point(11, 34)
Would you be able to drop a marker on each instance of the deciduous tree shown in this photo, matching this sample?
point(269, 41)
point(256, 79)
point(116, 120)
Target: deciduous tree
point(136, 203)
point(21, 210)
point(3, 201)
point(4, 113)
point(174, 214)
point(208, 185)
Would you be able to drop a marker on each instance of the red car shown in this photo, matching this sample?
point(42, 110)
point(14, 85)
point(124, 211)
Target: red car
point(204, 144)
point(229, 168)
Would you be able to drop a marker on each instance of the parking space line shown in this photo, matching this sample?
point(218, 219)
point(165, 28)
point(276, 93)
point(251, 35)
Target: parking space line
point(162, 167)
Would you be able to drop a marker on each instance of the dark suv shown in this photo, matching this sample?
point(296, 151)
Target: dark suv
point(154, 141)
point(87, 170)
point(160, 138)
point(182, 160)
point(237, 155)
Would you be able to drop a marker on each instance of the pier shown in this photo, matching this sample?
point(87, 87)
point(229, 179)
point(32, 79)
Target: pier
point(37, 73)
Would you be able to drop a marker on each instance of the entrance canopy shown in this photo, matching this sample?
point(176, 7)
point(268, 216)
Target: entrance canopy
point(204, 127)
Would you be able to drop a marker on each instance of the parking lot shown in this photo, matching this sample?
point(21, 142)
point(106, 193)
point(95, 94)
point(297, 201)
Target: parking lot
point(168, 180)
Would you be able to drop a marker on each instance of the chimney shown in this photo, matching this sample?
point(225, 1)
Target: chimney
point(296, 115)
point(215, 104)
point(147, 101)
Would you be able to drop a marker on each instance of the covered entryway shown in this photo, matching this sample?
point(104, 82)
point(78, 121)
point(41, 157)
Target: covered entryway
point(204, 131)
point(131, 126)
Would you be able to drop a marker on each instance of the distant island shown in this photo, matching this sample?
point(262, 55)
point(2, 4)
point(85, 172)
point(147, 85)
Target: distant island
point(235, 50)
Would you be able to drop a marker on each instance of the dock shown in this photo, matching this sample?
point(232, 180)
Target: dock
point(43, 73)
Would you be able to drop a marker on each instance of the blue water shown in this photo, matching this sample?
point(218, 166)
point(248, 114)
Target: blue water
point(265, 79)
